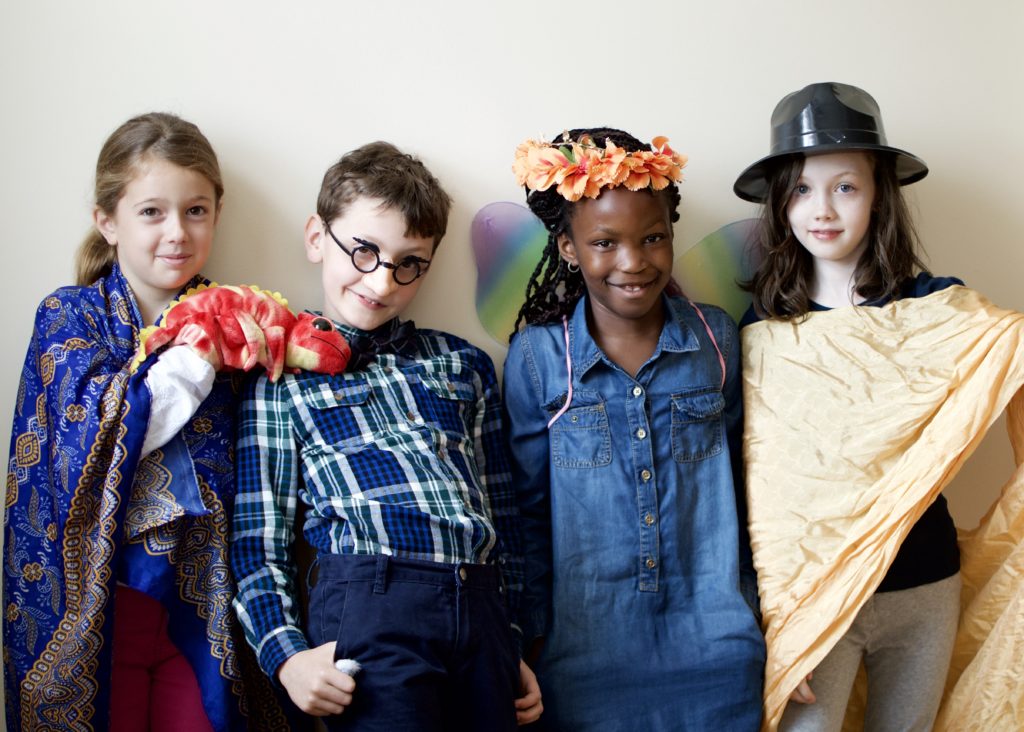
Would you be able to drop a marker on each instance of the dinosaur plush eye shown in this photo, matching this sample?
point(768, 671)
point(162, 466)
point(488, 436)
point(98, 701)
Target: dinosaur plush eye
point(323, 324)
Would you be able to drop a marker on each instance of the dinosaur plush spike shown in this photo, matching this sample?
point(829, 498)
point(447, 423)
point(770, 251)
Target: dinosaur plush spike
point(240, 327)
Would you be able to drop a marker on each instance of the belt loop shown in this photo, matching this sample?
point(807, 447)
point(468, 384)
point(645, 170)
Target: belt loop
point(380, 582)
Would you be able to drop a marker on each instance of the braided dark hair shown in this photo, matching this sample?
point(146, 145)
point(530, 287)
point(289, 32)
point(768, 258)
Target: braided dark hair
point(553, 290)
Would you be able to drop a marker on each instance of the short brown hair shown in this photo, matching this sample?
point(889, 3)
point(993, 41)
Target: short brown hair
point(401, 181)
point(157, 135)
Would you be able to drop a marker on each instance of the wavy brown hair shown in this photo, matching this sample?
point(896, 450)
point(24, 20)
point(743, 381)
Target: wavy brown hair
point(781, 285)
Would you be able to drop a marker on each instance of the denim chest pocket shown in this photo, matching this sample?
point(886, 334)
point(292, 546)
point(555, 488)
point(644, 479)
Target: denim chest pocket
point(697, 425)
point(581, 437)
point(334, 411)
point(447, 404)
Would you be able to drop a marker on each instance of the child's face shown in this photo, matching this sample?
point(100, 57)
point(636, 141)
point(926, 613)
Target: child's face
point(622, 242)
point(830, 210)
point(365, 300)
point(163, 229)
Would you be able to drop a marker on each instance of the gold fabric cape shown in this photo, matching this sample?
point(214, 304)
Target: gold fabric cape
point(857, 418)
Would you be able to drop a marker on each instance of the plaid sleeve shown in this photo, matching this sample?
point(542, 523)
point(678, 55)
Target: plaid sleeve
point(263, 529)
point(496, 479)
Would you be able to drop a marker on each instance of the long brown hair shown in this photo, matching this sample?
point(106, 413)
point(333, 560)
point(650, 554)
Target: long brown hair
point(158, 135)
point(782, 283)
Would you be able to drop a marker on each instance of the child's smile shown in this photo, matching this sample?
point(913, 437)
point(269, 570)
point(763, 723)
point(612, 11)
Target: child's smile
point(830, 210)
point(365, 300)
point(622, 242)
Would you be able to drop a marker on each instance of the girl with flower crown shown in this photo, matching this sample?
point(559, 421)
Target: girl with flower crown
point(624, 414)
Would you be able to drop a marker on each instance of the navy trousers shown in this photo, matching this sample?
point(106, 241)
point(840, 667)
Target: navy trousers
point(433, 639)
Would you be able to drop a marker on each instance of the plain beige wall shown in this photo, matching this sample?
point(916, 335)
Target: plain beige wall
point(282, 89)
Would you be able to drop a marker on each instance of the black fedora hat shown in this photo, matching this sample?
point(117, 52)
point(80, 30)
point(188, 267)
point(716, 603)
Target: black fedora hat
point(825, 117)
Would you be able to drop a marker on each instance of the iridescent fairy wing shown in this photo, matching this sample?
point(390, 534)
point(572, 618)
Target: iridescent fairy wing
point(711, 269)
point(507, 241)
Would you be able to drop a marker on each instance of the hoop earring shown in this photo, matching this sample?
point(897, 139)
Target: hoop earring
point(570, 265)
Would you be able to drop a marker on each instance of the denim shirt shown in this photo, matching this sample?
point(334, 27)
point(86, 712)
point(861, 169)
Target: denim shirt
point(629, 508)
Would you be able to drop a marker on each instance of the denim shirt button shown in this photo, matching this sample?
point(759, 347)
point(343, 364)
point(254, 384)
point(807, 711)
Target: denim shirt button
point(637, 391)
point(641, 433)
point(648, 519)
point(651, 564)
point(645, 474)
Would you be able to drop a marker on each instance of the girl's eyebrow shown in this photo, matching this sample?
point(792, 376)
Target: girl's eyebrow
point(844, 174)
point(161, 199)
point(603, 229)
point(839, 174)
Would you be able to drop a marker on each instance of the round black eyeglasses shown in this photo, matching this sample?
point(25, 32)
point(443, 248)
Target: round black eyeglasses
point(366, 258)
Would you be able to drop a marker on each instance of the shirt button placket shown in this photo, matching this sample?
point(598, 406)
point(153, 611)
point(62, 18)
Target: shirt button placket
point(647, 493)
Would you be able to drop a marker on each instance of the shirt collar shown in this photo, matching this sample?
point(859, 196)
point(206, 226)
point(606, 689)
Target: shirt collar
point(676, 334)
point(351, 332)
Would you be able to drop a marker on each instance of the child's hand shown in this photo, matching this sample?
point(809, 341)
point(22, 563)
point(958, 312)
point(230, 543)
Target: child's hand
point(802, 694)
point(312, 682)
point(528, 705)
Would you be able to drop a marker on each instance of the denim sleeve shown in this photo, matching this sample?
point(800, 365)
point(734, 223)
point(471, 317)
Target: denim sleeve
point(733, 392)
point(526, 427)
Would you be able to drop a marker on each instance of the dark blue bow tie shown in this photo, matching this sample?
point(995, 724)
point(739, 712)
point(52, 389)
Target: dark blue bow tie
point(400, 339)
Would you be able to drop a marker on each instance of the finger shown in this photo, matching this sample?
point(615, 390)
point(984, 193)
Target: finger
point(322, 706)
point(342, 681)
point(332, 694)
point(808, 693)
point(797, 695)
point(324, 710)
point(528, 700)
point(804, 695)
point(529, 715)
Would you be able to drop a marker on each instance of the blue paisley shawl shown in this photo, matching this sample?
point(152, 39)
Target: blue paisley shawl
point(82, 514)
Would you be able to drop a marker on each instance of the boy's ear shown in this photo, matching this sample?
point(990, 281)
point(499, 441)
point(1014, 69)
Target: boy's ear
point(314, 239)
point(566, 248)
point(105, 225)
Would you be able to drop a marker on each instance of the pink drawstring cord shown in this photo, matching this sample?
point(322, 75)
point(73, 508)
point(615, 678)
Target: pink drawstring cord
point(721, 359)
point(568, 367)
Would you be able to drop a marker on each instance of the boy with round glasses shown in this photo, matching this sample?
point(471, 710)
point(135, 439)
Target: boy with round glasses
point(399, 468)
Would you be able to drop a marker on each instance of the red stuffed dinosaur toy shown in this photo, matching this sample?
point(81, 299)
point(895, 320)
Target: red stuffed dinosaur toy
point(239, 327)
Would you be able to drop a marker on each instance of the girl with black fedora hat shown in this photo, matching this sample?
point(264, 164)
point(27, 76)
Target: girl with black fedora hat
point(855, 583)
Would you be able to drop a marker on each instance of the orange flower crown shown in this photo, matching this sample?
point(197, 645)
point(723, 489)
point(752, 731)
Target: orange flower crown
point(581, 168)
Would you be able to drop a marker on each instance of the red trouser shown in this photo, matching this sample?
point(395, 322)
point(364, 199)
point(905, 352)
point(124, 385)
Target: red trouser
point(153, 686)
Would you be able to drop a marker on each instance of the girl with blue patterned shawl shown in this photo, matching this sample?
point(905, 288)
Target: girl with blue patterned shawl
point(120, 485)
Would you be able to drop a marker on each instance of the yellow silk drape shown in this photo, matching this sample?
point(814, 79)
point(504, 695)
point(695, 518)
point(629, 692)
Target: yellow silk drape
point(856, 419)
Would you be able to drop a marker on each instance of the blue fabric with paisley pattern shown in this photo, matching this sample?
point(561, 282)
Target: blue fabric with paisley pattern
point(83, 513)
